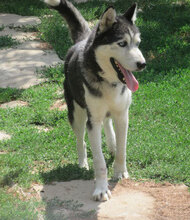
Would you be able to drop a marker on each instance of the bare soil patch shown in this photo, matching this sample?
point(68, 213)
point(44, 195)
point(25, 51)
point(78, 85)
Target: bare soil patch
point(172, 202)
point(130, 200)
point(14, 104)
point(59, 105)
point(42, 128)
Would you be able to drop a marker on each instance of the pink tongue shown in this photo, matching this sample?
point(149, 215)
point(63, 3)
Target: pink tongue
point(130, 80)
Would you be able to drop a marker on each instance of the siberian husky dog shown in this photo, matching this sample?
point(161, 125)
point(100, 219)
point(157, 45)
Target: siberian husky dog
point(99, 84)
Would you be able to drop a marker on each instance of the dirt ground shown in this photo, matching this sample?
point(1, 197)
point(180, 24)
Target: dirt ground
point(131, 200)
point(172, 202)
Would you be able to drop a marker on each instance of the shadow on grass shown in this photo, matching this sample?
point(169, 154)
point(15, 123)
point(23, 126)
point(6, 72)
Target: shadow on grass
point(29, 7)
point(8, 179)
point(10, 94)
point(66, 173)
point(165, 40)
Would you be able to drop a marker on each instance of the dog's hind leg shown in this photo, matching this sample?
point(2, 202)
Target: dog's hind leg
point(78, 125)
point(110, 135)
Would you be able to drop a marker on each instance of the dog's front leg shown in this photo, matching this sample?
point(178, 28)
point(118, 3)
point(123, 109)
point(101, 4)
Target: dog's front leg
point(101, 192)
point(121, 127)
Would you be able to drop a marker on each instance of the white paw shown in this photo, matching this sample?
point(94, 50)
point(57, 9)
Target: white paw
point(101, 195)
point(101, 192)
point(84, 164)
point(121, 175)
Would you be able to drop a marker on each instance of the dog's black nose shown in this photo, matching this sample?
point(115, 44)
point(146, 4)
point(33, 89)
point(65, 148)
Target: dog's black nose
point(141, 65)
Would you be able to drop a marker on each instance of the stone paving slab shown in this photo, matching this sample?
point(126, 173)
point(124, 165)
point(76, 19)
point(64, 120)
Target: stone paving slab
point(18, 35)
point(4, 136)
point(18, 65)
point(35, 45)
point(18, 20)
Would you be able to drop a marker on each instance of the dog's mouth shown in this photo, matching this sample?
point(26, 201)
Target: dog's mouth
point(125, 76)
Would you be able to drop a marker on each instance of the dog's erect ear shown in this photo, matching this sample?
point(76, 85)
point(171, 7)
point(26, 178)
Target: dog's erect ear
point(131, 13)
point(107, 20)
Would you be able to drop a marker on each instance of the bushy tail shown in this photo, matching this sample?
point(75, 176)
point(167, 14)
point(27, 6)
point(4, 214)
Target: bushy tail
point(77, 24)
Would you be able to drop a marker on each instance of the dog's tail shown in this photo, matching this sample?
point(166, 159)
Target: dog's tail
point(77, 24)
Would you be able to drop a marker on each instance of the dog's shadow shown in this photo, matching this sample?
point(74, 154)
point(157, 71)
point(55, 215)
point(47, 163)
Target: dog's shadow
point(67, 193)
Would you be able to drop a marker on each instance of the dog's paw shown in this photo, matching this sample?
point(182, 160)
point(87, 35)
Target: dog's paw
point(121, 175)
point(84, 164)
point(101, 195)
point(101, 192)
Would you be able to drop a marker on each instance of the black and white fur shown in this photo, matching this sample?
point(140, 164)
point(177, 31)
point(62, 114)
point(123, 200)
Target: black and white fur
point(94, 90)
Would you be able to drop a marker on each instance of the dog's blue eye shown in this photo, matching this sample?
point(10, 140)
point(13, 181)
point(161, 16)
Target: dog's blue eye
point(122, 44)
point(137, 44)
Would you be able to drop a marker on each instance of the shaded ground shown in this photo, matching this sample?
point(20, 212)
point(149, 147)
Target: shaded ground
point(130, 200)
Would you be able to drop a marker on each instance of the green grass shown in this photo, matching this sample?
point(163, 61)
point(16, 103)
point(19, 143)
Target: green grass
point(2, 27)
point(7, 41)
point(9, 94)
point(14, 208)
point(52, 73)
point(25, 8)
point(158, 140)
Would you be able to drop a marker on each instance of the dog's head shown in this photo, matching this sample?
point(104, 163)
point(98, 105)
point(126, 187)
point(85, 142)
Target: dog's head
point(117, 47)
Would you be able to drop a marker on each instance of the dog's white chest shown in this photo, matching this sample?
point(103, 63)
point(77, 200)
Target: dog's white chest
point(117, 97)
point(114, 99)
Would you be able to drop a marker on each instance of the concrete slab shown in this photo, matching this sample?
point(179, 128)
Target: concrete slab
point(35, 45)
point(4, 136)
point(18, 35)
point(18, 66)
point(125, 203)
point(17, 20)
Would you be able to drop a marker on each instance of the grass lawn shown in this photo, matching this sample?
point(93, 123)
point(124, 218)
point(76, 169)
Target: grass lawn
point(158, 138)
